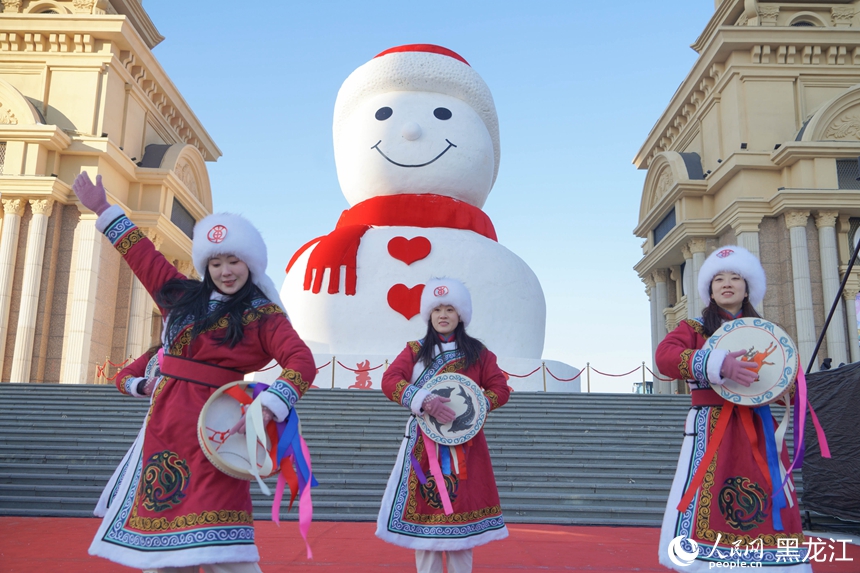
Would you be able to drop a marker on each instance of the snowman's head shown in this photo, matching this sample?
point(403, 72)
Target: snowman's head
point(416, 119)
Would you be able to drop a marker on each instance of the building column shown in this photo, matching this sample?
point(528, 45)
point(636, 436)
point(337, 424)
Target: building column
point(661, 298)
point(836, 343)
point(12, 211)
point(82, 302)
point(850, 295)
point(796, 223)
point(697, 249)
point(687, 280)
point(747, 232)
point(652, 301)
point(22, 358)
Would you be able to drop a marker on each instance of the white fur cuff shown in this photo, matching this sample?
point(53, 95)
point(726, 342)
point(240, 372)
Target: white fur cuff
point(275, 404)
point(108, 216)
point(715, 364)
point(417, 401)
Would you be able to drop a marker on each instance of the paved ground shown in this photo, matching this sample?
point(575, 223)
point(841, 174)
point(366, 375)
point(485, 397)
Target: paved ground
point(48, 545)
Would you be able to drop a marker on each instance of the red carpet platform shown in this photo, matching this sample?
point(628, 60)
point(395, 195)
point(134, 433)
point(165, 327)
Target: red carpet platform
point(48, 545)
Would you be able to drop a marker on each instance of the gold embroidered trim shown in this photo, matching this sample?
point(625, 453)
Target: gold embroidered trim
point(221, 517)
point(684, 365)
point(398, 390)
point(493, 398)
point(122, 385)
point(252, 315)
point(130, 240)
point(695, 325)
point(296, 379)
point(414, 346)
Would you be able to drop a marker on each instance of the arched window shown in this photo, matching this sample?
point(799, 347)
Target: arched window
point(801, 23)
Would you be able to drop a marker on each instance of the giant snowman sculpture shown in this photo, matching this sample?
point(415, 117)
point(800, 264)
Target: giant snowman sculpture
point(416, 142)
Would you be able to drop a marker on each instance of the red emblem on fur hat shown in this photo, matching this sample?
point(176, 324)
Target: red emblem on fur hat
point(725, 253)
point(217, 234)
point(440, 291)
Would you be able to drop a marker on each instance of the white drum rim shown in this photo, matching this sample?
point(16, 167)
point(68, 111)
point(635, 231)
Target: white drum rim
point(206, 445)
point(481, 416)
point(791, 363)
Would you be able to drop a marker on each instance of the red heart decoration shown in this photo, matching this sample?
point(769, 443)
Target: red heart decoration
point(405, 300)
point(409, 250)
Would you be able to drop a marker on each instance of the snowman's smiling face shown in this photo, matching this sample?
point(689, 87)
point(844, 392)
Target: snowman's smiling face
point(412, 143)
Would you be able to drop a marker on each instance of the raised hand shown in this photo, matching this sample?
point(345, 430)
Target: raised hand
point(738, 370)
point(92, 196)
point(435, 406)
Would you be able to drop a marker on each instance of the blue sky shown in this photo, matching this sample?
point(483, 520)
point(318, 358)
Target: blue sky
point(577, 86)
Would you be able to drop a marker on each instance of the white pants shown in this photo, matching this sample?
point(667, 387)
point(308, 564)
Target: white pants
point(431, 561)
point(211, 568)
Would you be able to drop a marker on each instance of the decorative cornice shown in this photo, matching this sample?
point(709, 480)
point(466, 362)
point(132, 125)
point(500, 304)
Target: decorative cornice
point(796, 219)
point(768, 14)
point(6, 116)
point(765, 46)
point(686, 252)
point(186, 175)
point(42, 206)
point(842, 16)
point(13, 206)
point(154, 236)
point(826, 219)
point(186, 268)
point(649, 282)
point(12, 6)
point(659, 275)
point(696, 245)
point(846, 127)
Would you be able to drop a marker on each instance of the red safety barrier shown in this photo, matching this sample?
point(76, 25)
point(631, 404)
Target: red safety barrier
point(522, 375)
point(563, 379)
point(323, 366)
point(360, 370)
point(617, 375)
point(658, 377)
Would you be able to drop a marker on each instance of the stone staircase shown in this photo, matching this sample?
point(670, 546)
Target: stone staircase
point(588, 459)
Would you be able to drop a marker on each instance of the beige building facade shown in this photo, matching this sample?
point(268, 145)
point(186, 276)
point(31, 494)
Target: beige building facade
point(759, 147)
point(80, 90)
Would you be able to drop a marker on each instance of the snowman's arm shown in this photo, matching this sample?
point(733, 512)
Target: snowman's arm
point(496, 389)
point(681, 355)
point(279, 340)
point(397, 385)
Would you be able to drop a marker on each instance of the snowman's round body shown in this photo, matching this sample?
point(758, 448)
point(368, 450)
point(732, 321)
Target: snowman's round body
point(509, 311)
point(419, 126)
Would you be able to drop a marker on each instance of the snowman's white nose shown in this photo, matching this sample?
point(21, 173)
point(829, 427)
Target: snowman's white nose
point(411, 131)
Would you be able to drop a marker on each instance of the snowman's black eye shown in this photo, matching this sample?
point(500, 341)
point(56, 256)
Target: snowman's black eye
point(384, 113)
point(442, 113)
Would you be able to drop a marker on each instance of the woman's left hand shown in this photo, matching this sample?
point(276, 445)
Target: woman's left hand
point(239, 428)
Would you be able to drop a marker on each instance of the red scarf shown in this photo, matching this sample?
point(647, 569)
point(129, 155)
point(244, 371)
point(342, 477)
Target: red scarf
point(340, 247)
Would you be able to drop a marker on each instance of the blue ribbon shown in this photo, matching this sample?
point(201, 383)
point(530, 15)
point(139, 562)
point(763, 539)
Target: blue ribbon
point(778, 495)
point(290, 445)
point(445, 454)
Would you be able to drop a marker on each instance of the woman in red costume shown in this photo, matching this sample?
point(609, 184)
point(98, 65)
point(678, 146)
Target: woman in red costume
point(412, 513)
point(736, 514)
point(167, 508)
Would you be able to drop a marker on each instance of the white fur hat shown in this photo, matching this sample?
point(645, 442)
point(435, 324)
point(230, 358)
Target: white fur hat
point(446, 291)
point(229, 234)
point(737, 260)
point(419, 68)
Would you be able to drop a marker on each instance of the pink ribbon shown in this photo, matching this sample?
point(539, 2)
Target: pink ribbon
point(306, 507)
point(801, 403)
point(436, 471)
